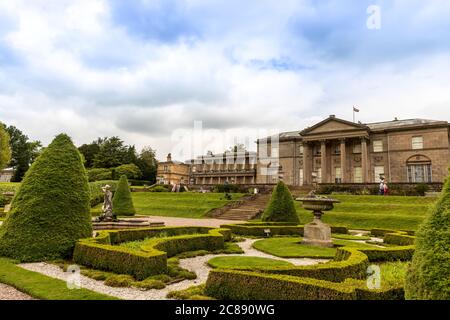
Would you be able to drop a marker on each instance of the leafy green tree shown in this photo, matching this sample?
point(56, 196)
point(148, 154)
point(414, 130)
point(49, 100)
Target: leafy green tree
point(113, 153)
point(148, 164)
point(281, 207)
point(131, 171)
point(89, 151)
point(122, 201)
point(429, 273)
point(5, 150)
point(23, 152)
point(51, 210)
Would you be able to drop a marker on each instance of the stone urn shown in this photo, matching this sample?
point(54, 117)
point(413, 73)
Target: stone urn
point(317, 233)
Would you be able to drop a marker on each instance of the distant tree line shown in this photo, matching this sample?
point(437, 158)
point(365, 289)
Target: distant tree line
point(111, 156)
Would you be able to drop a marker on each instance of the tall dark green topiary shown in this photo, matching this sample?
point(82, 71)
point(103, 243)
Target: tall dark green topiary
point(122, 201)
point(51, 208)
point(429, 273)
point(281, 207)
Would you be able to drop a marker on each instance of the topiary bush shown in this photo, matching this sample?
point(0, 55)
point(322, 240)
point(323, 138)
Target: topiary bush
point(429, 274)
point(51, 211)
point(281, 207)
point(122, 201)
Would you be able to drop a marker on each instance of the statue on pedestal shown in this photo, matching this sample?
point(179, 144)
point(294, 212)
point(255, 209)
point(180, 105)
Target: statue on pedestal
point(107, 207)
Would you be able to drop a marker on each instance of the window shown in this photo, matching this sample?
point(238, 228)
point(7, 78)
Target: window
point(378, 173)
point(166, 168)
point(338, 175)
point(417, 143)
point(317, 150)
point(301, 177)
point(419, 173)
point(378, 146)
point(301, 149)
point(337, 149)
point(357, 178)
point(357, 148)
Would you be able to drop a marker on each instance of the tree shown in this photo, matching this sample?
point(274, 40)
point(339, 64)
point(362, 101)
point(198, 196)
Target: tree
point(131, 171)
point(122, 201)
point(23, 152)
point(112, 153)
point(147, 164)
point(281, 207)
point(429, 273)
point(51, 210)
point(5, 150)
point(89, 151)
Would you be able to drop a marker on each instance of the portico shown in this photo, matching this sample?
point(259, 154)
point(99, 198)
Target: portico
point(334, 151)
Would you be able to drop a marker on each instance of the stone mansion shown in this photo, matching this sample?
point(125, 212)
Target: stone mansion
point(336, 151)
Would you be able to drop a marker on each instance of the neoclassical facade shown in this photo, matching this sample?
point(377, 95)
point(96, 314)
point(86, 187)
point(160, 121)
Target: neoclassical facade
point(172, 172)
point(228, 167)
point(339, 151)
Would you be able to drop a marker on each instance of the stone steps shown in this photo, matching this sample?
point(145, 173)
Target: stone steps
point(247, 210)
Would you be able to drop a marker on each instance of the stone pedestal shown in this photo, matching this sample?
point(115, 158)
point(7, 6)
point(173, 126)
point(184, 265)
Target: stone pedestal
point(317, 233)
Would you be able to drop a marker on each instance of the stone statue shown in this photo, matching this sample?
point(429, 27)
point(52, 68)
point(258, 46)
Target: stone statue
point(107, 207)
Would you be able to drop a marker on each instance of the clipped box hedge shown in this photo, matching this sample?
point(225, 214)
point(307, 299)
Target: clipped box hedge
point(103, 253)
point(246, 285)
point(285, 229)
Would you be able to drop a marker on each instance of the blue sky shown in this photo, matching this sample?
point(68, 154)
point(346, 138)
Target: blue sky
point(142, 69)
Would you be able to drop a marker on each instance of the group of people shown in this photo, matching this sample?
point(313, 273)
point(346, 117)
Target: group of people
point(384, 189)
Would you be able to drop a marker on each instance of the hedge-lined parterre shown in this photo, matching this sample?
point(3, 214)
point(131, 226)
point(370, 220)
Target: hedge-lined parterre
point(104, 253)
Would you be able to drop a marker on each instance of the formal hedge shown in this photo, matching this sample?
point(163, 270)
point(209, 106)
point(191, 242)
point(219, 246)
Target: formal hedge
point(103, 253)
point(281, 207)
point(287, 229)
point(399, 238)
point(122, 201)
point(429, 274)
point(247, 285)
point(51, 211)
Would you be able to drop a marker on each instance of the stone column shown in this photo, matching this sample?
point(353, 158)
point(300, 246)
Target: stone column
point(343, 162)
point(323, 161)
point(364, 160)
point(307, 163)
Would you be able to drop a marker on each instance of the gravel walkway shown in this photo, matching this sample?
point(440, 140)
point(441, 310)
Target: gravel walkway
point(181, 222)
point(196, 264)
point(11, 293)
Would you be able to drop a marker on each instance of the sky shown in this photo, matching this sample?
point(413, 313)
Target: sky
point(150, 71)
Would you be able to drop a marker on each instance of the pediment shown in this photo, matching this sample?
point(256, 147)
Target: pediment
point(333, 125)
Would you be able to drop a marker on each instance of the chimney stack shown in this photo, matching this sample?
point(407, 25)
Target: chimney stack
point(169, 157)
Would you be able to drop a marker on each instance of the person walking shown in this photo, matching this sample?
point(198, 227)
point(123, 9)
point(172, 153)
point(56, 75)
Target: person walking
point(381, 187)
point(386, 188)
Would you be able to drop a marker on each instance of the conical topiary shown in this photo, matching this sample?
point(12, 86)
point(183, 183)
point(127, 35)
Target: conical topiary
point(429, 273)
point(281, 207)
point(122, 201)
point(51, 209)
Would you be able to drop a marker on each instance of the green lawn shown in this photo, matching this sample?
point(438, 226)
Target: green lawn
point(291, 248)
point(184, 204)
point(367, 212)
point(245, 262)
point(42, 287)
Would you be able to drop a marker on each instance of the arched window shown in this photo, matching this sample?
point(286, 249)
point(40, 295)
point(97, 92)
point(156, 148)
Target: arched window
point(419, 169)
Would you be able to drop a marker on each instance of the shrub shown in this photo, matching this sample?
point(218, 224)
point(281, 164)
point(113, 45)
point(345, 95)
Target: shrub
point(159, 189)
point(50, 212)
point(227, 188)
point(276, 228)
point(119, 280)
point(131, 171)
point(429, 273)
point(148, 284)
point(97, 174)
point(122, 201)
point(281, 207)
point(421, 189)
point(151, 259)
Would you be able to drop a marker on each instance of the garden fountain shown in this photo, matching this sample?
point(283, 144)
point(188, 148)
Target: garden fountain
point(317, 233)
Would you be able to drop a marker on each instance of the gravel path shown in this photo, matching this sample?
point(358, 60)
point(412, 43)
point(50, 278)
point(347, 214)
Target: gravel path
point(11, 293)
point(196, 264)
point(181, 222)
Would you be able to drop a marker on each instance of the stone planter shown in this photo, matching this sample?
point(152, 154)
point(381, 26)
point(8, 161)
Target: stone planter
point(317, 233)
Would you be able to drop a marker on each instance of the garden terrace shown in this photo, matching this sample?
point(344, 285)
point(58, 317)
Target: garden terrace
point(105, 251)
point(341, 278)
